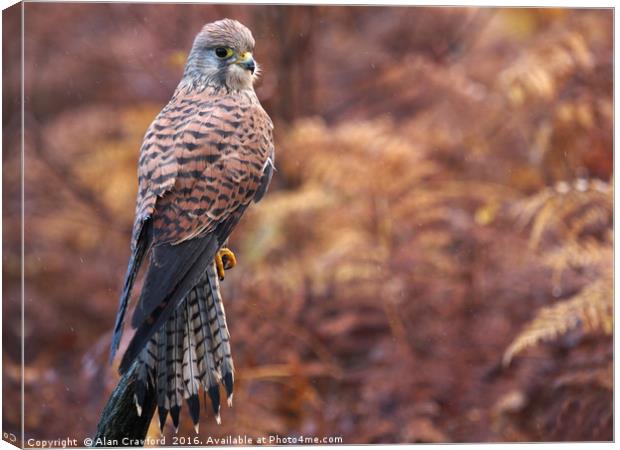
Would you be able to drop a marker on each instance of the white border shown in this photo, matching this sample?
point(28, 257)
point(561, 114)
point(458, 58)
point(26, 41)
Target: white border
point(570, 4)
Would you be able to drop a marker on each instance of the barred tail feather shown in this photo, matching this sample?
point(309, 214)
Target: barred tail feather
point(190, 367)
point(175, 330)
point(163, 404)
point(192, 349)
point(219, 331)
point(146, 372)
point(210, 375)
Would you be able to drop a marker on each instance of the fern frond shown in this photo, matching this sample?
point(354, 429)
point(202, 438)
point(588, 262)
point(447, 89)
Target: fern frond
point(590, 311)
point(579, 254)
point(539, 72)
point(566, 209)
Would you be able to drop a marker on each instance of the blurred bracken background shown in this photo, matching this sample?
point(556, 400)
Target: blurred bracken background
point(433, 262)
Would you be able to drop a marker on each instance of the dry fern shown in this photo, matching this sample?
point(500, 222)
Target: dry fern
point(576, 213)
point(590, 254)
point(566, 209)
point(538, 73)
point(590, 311)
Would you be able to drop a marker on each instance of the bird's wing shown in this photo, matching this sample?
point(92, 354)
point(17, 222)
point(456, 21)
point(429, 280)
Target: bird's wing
point(140, 245)
point(203, 161)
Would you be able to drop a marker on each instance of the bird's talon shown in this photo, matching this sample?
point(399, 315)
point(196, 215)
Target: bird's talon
point(224, 260)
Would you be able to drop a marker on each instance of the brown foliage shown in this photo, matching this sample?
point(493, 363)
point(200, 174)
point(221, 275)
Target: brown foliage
point(443, 179)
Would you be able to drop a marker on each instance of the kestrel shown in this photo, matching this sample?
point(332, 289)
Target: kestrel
point(207, 155)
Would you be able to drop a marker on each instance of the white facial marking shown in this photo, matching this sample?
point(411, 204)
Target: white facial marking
point(238, 77)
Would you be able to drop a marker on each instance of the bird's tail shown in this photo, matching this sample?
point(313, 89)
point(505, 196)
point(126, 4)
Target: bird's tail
point(191, 350)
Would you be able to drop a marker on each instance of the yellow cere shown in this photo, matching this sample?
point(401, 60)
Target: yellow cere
point(245, 56)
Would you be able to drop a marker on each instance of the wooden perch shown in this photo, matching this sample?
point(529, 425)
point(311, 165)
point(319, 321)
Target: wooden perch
point(119, 420)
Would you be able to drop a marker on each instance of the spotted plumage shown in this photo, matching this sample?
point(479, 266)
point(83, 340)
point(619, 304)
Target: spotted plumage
point(206, 156)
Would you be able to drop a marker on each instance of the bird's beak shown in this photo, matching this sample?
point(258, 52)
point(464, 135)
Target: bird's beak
point(246, 61)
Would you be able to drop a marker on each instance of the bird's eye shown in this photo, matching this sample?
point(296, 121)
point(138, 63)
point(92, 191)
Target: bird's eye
point(223, 52)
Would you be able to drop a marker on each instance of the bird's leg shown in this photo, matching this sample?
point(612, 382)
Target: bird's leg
point(224, 260)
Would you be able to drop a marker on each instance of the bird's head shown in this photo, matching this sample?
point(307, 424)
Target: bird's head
point(222, 56)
